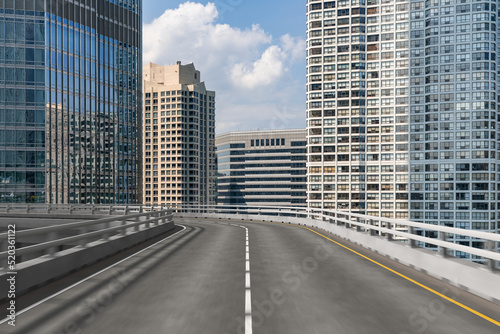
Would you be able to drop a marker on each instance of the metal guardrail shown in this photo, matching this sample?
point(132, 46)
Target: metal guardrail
point(85, 209)
point(129, 220)
point(392, 229)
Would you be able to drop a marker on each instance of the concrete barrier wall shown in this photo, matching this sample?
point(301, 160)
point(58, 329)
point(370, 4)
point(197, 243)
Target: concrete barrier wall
point(37, 272)
point(469, 276)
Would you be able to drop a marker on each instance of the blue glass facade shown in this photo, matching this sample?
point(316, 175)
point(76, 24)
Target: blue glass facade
point(70, 87)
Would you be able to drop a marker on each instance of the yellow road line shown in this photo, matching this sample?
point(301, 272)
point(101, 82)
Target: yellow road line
point(465, 307)
point(479, 314)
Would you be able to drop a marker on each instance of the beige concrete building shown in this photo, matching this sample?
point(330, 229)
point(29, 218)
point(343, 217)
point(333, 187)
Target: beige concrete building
point(178, 132)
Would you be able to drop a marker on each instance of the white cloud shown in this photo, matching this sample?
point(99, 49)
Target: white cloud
point(247, 68)
point(294, 46)
point(262, 72)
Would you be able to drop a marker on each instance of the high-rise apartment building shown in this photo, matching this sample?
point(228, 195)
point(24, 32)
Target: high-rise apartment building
point(178, 158)
point(69, 100)
point(262, 168)
point(402, 110)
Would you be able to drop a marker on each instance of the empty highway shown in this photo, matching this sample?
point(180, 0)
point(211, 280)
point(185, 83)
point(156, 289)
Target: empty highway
point(291, 280)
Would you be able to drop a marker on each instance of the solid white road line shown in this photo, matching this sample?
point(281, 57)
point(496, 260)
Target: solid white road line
point(248, 293)
point(91, 276)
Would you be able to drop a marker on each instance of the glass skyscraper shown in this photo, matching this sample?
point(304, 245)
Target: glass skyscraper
point(70, 92)
point(402, 111)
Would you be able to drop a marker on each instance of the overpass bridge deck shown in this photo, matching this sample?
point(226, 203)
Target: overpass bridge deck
point(302, 281)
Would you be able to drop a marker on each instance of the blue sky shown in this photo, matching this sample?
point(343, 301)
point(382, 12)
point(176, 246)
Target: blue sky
point(251, 52)
point(276, 16)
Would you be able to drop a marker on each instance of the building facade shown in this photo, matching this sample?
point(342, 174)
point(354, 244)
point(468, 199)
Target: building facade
point(401, 110)
point(69, 100)
point(178, 133)
point(261, 168)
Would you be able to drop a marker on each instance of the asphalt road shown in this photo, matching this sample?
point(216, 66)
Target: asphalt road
point(194, 282)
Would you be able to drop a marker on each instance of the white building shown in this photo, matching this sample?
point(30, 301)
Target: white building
point(266, 167)
point(401, 106)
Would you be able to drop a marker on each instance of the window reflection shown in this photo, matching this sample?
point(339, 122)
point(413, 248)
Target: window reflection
point(62, 145)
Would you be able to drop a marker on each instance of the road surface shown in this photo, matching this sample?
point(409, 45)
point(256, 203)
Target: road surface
point(196, 281)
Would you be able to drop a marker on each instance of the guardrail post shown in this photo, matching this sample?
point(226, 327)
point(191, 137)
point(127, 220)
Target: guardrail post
point(491, 247)
point(92, 209)
point(83, 242)
point(279, 212)
point(126, 210)
point(371, 230)
point(48, 208)
point(105, 236)
point(443, 250)
point(358, 228)
point(70, 209)
point(110, 210)
point(27, 208)
point(347, 225)
point(389, 235)
point(52, 236)
point(412, 243)
point(136, 227)
point(7, 208)
point(124, 231)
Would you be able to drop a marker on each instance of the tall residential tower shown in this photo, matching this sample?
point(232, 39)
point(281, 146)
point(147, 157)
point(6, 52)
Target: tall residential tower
point(402, 110)
point(69, 100)
point(178, 165)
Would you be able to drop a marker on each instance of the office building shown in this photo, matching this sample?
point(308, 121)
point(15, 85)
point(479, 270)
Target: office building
point(178, 158)
point(401, 111)
point(262, 168)
point(69, 100)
